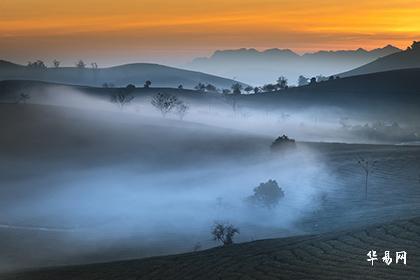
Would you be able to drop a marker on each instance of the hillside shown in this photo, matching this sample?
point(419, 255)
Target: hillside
point(407, 59)
point(261, 67)
point(119, 76)
point(340, 255)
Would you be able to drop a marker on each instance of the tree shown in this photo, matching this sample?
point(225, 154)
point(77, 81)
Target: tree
point(180, 87)
point(147, 84)
point(122, 99)
point(267, 195)
point(38, 64)
point(236, 88)
point(200, 87)
point(257, 90)
point(81, 64)
point(226, 91)
point(164, 103)
point(181, 109)
point(56, 63)
point(313, 81)
point(23, 97)
point(282, 83)
point(211, 88)
point(224, 233)
point(130, 88)
point(303, 81)
point(367, 167)
point(94, 65)
point(248, 89)
point(269, 88)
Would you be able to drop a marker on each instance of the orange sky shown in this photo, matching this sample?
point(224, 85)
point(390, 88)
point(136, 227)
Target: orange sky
point(116, 31)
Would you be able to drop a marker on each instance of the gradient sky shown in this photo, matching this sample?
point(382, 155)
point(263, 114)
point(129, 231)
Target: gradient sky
point(173, 32)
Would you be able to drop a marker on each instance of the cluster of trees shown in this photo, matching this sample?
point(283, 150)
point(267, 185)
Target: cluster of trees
point(39, 64)
point(166, 103)
point(303, 81)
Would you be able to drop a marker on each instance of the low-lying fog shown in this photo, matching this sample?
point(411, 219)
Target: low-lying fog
point(84, 180)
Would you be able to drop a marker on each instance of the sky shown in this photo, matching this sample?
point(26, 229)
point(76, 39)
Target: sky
point(174, 32)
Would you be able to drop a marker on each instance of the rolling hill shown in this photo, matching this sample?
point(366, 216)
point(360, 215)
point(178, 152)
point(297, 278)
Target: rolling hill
point(119, 76)
point(339, 255)
point(407, 59)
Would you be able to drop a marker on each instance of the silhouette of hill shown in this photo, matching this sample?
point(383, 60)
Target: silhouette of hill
point(137, 74)
point(409, 58)
point(338, 255)
point(260, 67)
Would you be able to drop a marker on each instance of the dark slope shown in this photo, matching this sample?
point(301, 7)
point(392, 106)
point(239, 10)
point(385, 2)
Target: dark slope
point(138, 73)
point(401, 60)
point(340, 255)
point(399, 87)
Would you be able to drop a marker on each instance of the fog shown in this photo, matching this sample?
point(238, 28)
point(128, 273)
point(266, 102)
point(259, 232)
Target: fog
point(84, 180)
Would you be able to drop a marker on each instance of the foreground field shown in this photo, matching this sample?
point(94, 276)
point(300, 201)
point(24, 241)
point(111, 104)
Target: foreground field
point(340, 255)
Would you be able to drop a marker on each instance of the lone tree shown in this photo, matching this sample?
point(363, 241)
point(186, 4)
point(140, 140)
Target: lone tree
point(181, 109)
point(147, 84)
point(303, 81)
point(236, 88)
point(282, 83)
point(81, 64)
point(56, 63)
point(248, 89)
point(367, 167)
point(200, 87)
point(164, 103)
point(224, 233)
point(23, 97)
point(267, 195)
point(122, 99)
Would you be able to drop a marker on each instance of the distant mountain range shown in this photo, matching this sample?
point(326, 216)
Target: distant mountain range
point(260, 67)
point(407, 59)
point(119, 76)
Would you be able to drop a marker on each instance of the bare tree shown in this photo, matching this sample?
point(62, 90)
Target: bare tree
point(181, 109)
point(282, 83)
point(367, 167)
point(164, 103)
point(56, 63)
point(94, 65)
point(224, 233)
point(23, 97)
point(81, 64)
point(122, 99)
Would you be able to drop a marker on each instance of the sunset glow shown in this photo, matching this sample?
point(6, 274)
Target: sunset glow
point(145, 29)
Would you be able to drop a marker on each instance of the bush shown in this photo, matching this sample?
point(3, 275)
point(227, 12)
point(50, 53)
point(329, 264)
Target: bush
point(267, 195)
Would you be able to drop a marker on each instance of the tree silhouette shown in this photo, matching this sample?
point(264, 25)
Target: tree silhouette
point(23, 97)
point(267, 194)
point(181, 109)
point(282, 83)
point(122, 99)
point(367, 167)
point(224, 233)
point(81, 64)
point(147, 84)
point(56, 63)
point(164, 103)
point(200, 87)
point(248, 89)
point(38, 64)
point(211, 88)
point(303, 81)
point(236, 88)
